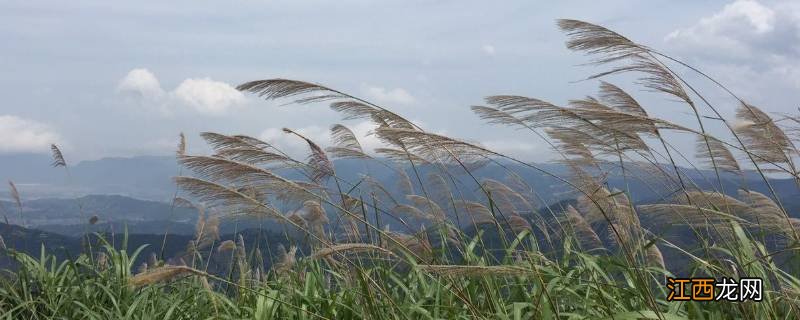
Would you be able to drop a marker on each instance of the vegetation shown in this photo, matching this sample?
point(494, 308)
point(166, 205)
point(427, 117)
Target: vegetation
point(357, 250)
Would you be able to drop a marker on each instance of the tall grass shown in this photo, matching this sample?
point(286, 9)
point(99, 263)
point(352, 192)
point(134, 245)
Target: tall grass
point(436, 251)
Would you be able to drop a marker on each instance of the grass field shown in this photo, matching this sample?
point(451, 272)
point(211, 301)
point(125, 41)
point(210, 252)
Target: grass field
point(449, 256)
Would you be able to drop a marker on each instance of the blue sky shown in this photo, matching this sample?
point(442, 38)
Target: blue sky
point(105, 78)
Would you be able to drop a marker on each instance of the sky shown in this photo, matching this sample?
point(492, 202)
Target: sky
point(124, 78)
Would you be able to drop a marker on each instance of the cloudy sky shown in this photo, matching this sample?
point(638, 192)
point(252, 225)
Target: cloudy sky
point(107, 78)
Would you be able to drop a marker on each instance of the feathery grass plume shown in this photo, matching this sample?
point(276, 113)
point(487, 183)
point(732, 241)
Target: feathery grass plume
point(620, 100)
point(401, 157)
point(241, 257)
point(533, 112)
point(58, 157)
point(404, 183)
point(571, 144)
point(434, 211)
point(17, 199)
point(286, 259)
point(497, 116)
point(376, 187)
point(142, 268)
point(161, 274)
point(587, 238)
point(436, 148)
point(226, 170)
point(15, 194)
point(536, 113)
point(220, 142)
point(226, 198)
point(762, 205)
point(321, 166)
point(206, 230)
point(666, 213)
point(347, 248)
point(314, 213)
point(285, 88)
point(402, 210)
point(516, 201)
point(478, 213)
point(713, 152)
point(654, 257)
point(598, 40)
point(294, 191)
point(181, 145)
point(762, 136)
point(315, 217)
point(226, 245)
point(400, 242)
point(518, 224)
point(297, 219)
point(245, 149)
point(439, 188)
point(346, 145)
point(714, 201)
point(102, 261)
point(352, 107)
point(474, 271)
point(182, 202)
point(655, 77)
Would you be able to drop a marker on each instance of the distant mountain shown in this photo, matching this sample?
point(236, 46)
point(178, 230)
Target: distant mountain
point(145, 177)
point(48, 193)
point(108, 208)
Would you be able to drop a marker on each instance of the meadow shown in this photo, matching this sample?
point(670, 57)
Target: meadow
point(421, 248)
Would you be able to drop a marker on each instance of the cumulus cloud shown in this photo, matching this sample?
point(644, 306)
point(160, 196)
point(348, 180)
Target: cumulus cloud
point(750, 44)
point(141, 82)
point(388, 96)
point(24, 135)
point(208, 96)
point(743, 29)
point(488, 49)
point(201, 95)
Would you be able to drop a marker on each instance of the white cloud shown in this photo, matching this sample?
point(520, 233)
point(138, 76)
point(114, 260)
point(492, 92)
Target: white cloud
point(141, 82)
point(23, 135)
point(742, 29)
point(388, 96)
point(488, 49)
point(208, 96)
point(202, 95)
point(752, 46)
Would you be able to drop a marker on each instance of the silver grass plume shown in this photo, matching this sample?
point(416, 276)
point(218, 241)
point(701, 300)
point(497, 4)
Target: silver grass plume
point(58, 157)
point(15, 195)
point(181, 145)
point(713, 152)
point(434, 211)
point(401, 157)
point(404, 182)
point(597, 40)
point(762, 136)
point(346, 144)
point(321, 166)
point(587, 238)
